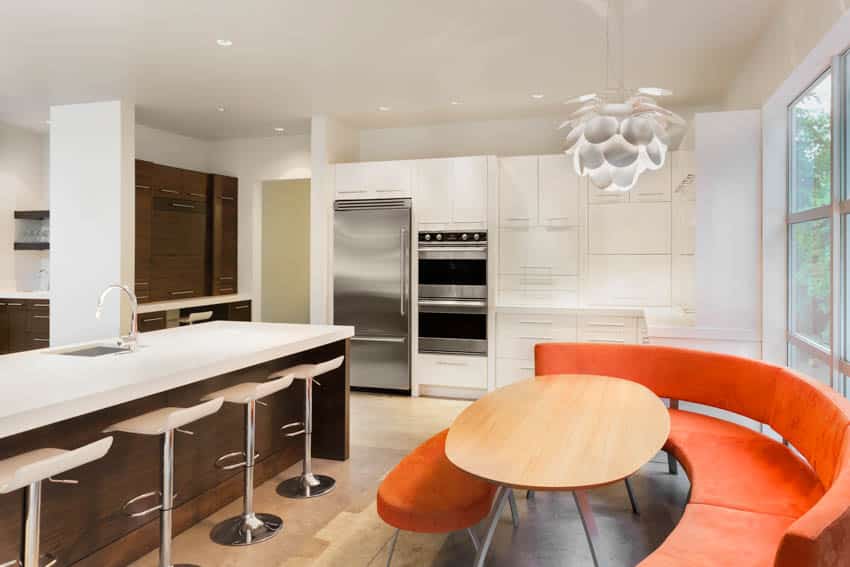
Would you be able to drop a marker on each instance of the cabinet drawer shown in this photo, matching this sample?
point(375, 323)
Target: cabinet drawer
point(152, 321)
point(142, 289)
point(194, 185)
point(516, 335)
point(40, 323)
point(510, 371)
point(41, 306)
point(225, 286)
point(599, 197)
point(452, 371)
point(239, 311)
point(177, 277)
point(607, 329)
point(38, 341)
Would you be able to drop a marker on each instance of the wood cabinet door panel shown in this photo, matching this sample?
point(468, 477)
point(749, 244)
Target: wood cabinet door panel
point(239, 311)
point(225, 237)
point(195, 185)
point(152, 321)
point(177, 277)
point(179, 228)
point(168, 181)
point(4, 327)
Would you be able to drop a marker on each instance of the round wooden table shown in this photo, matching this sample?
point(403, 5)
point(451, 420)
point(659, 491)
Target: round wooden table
point(558, 433)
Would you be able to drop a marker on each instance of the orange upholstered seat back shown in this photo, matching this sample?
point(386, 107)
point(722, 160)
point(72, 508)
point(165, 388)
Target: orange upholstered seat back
point(736, 384)
point(814, 418)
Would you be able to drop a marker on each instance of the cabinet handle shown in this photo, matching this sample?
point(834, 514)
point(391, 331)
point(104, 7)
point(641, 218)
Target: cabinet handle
point(41, 316)
point(187, 292)
point(592, 324)
point(15, 304)
point(242, 307)
point(143, 186)
point(537, 338)
point(558, 218)
point(352, 191)
point(535, 322)
point(197, 195)
point(142, 283)
point(388, 191)
point(614, 341)
point(170, 191)
point(226, 278)
point(639, 194)
point(153, 320)
point(445, 363)
point(223, 198)
point(517, 218)
point(40, 340)
point(143, 297)
point(2, 305)
point(182, 206)
point(223, 289)
point(41, 305)
point(536, 267)
point(526, 368)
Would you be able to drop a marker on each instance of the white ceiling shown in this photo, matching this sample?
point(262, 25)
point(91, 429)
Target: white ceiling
point(295, 58)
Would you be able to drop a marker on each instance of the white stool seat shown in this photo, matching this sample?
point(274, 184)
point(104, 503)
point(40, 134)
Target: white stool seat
point(22, 470)
point(197, 317)
point(165, 419)
point(304, 371)
point(252, 391)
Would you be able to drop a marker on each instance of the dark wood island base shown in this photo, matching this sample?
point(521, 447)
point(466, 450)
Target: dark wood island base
point(84, 525)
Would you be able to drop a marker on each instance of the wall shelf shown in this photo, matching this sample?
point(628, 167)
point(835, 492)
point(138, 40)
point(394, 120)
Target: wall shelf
point(32, 246)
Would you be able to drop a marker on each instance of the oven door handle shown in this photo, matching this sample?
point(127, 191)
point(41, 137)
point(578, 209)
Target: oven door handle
point(452, 306)
point(378, 339)
point(453, 253)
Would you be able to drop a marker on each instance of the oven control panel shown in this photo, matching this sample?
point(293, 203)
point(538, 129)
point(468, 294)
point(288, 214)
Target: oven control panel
point(454, 237)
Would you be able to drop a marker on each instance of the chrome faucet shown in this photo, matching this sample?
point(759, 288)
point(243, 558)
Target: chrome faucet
point(130, 341)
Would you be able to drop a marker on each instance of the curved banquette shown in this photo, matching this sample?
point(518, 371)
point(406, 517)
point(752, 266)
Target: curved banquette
point(754, 501)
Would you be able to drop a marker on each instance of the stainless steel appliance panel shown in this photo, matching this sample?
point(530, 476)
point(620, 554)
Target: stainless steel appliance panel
point(372, 289)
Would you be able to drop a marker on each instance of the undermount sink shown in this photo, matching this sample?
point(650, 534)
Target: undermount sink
point(94, 351)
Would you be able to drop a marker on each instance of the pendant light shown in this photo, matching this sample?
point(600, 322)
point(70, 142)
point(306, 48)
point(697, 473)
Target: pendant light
point(617, 135)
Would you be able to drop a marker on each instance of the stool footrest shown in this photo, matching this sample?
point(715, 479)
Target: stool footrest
point(220, 462)
point(140, 498)
point(301, 431)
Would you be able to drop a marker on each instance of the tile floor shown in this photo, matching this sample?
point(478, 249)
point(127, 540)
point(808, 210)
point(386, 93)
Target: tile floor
point(342, 529)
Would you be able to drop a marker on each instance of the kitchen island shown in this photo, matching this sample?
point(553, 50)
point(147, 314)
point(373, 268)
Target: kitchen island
point(52, 399)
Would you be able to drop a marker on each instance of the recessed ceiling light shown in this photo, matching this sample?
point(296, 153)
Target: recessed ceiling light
point(457, 102)
point(537, 96)
point(279, 129)
point(224, 42)
point(383, 109)
point(220, 108)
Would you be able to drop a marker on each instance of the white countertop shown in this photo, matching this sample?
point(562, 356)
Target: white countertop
point(5, 294)
point(42, 387)
point(193, 302)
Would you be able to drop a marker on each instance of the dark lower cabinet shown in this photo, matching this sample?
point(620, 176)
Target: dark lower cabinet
point(24, 325)
point(236, 311)
point(239, 311)
point(152, 321)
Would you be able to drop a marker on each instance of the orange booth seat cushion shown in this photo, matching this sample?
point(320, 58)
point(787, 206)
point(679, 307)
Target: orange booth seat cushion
point(426, 493)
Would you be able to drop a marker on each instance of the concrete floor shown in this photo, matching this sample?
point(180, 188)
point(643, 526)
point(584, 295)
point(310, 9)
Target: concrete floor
point(342, 529)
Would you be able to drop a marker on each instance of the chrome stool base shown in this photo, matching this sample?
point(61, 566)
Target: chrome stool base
point(43, 561)
point(247, 530)
point(306, 486)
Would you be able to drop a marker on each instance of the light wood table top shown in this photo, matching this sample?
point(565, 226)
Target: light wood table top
point(559, 433)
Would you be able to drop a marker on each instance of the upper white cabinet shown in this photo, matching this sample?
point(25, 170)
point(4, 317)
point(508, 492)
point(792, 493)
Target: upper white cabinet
point(518, 179)
point(539, 251)
point(538, 190)
point(629, 279)
point(629, 228)
point(559, 191)
point(373, 180)
point(451, 191)
point(684, 169)
point(653, 186)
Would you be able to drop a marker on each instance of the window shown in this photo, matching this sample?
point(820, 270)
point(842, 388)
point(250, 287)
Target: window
point(811, 218)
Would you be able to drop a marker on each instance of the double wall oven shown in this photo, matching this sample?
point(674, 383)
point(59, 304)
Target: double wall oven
point(453, 293)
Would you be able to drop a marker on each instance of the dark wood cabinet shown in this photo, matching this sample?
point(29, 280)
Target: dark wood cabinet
point(239, 311)
point(24, 325)
point(152, 321)
point(186, 233)
point(224, 229)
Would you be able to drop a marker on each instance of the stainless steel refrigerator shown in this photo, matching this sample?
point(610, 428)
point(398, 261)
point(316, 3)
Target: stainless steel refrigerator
point(372, 289)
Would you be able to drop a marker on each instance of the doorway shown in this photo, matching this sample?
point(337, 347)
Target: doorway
point(286, 251)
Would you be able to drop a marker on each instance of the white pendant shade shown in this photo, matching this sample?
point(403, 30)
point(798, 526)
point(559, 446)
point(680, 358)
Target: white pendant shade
point(614, 143)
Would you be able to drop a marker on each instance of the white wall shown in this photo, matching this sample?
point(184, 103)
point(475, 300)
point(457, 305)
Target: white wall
point(23, 185)
point(795, 27)
point(92, 223)
point(175, 150)
point(254, 160)
point(728, 227)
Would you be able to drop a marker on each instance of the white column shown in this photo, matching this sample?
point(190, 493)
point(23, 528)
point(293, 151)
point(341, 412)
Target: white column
point(331, 141)
point(92, 204)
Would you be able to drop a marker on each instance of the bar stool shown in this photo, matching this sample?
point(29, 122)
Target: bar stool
point(164, 422)
point(196, 317)
point(28, 471)
point(249, 527)
point(307, 484)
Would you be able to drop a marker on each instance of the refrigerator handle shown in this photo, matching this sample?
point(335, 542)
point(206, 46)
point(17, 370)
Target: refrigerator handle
point(403, 270)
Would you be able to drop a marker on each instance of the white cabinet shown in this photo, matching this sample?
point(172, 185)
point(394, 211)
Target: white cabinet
point(684, 169)
point(684, 226)
point(373, 180)
point(630, 228)
point(538, 289)
point(451, 191)
point(518, 180)
point(559, 191)
point(510, 371)
point(452, 371)
point(653, 186)
point(598, 328)
point(516, 334)
point(633, 280)
point(539, 251)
